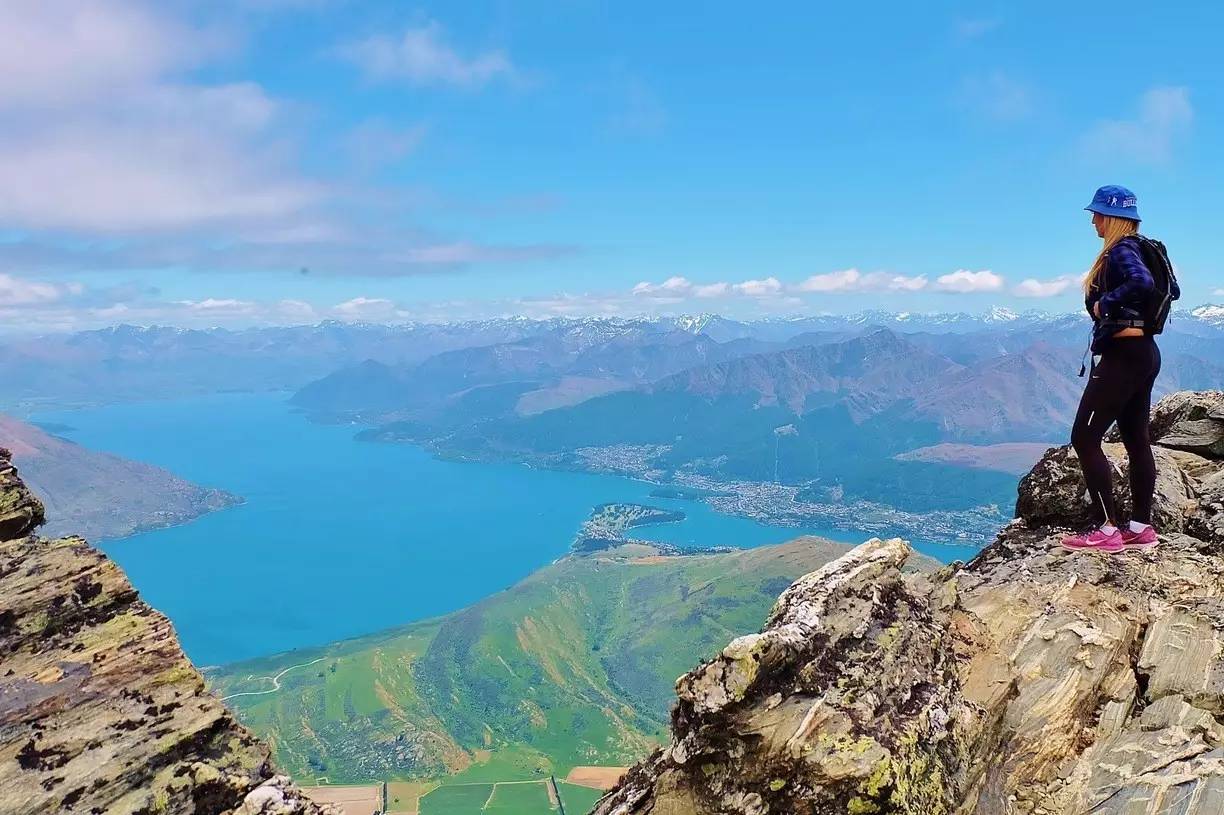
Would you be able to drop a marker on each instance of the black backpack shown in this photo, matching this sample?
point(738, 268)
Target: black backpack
point(1156, 259)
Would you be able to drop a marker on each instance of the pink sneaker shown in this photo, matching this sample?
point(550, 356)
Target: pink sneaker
point(1146, 539)
point(1094, 541)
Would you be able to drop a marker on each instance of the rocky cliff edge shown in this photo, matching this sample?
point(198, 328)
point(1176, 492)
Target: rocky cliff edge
point(100, 710)
point(1030, 680)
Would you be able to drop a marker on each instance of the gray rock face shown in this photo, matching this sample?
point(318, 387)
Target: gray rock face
point(20, 510)
point(1031, 680)
point(100, 710)
point(1191, 420)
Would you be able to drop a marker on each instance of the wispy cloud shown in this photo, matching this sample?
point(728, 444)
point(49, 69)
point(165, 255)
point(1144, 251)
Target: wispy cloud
point(963, 281)
point(422, 56)
point(16, 291)
point(676, 289)
point(1032, 287)
point(971, 28)
point(98, 133)
point(1164, 118)
point(366, 308)
point(845, 281)
point(768, 287)
point(852, 280)
point(375, 144)
point(641, 112)
point(118, 150)
point(317, 249)
point(997, 96)
point(465, 253)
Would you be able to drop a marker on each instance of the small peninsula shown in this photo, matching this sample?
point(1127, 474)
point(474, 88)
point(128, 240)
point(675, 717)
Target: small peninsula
point(609, 523)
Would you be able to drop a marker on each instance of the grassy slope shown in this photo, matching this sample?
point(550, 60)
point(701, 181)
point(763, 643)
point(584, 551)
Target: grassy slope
point(574, 665)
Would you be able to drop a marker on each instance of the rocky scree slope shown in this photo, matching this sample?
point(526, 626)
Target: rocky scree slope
point(100, 710)
point(1030, 680)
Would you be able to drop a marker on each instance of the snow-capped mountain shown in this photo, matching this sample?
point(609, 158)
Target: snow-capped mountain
point(1209, 313)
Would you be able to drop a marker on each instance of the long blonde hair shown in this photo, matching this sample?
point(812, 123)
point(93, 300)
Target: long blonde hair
point(1115, 230)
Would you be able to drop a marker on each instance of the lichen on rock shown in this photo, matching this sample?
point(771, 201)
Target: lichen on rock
point(100, 710)
point(1030, 680)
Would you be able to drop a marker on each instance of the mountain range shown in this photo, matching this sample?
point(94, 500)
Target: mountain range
point(127, 362)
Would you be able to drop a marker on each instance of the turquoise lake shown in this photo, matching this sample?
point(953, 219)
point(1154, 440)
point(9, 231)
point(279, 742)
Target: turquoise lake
point(339, 537)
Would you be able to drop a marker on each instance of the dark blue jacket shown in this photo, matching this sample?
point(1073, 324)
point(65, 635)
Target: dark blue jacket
point(1125, 285)
point(1124, 291)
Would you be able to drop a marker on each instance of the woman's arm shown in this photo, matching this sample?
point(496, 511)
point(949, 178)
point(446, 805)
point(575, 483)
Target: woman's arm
point(1136, 279)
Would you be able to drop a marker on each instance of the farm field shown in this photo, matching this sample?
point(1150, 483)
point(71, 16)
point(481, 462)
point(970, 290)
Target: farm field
point(457, 799)
point(578, 800)
point(362, 800)
point(402, 796)
point(520, 799)
point(600, 778)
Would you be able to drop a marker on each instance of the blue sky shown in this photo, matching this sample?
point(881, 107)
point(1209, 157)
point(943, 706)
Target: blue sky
point(252, 161)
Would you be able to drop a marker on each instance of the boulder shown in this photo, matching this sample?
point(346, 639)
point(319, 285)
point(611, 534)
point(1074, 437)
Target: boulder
point(1031, 680)
point(1190, 420)
point(1054, 493)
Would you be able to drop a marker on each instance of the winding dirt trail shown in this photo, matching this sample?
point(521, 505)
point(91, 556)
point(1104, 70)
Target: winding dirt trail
point(275, 681)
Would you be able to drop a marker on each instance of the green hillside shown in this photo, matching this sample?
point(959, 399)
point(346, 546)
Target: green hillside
point(572, 666)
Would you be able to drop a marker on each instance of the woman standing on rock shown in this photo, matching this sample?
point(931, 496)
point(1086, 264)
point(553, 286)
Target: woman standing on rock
point(1127, 292)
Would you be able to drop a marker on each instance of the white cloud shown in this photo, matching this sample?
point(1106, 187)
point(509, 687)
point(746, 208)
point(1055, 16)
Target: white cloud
point(963, 281)
point(83, 308)
point(677, 288)
point(672, 286)
point(115, 153)
point(846, 281)
point(99, 134)
point(215, 304)
point(422, 57)
point(852, 280)
point(16, 291)
point(1031, 287)
point(365, 308)
point(712, 290)
point(768, 287)
point(1165, 116)
point(62, 52)
point(103, 176)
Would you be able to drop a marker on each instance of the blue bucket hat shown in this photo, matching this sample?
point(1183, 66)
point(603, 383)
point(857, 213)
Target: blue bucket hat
point(1116, 201)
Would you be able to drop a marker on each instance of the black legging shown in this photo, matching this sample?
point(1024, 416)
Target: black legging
point(1120, 389)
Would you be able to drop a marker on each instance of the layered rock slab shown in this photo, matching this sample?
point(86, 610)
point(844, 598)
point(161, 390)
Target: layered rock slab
point(1030, 680)
point(100, 710)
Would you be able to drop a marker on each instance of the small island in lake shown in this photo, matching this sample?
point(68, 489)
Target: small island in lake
point(609, 522)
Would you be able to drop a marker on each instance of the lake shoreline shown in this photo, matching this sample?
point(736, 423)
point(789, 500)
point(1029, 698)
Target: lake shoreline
point(390, 533)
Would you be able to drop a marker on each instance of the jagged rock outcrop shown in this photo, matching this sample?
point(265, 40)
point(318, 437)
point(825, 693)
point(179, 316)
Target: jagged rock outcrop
point(1030, 680)
point(100, 710)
